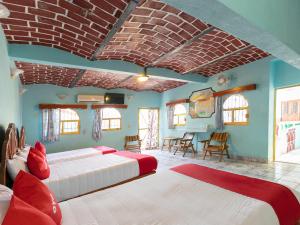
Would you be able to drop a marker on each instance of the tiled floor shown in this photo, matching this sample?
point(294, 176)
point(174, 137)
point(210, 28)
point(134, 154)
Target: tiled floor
point(292, 157)
point(284, 173)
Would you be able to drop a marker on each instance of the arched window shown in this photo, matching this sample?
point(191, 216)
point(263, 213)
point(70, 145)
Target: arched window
point(111, 119)
point(179, 115)
point(235, 110)
point(69, 122)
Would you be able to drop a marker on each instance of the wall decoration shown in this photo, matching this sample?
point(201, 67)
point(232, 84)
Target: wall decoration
point(202, 103)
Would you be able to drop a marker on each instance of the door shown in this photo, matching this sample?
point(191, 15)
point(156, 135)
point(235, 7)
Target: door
point(287, 127)
point(149, 128)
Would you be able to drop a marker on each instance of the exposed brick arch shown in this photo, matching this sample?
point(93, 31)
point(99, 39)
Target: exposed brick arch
point(62, 76)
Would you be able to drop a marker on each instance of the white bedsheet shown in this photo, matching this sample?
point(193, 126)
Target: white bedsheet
point(71, 155)
point(168, 198)
point(64, 156)
point(77, 177)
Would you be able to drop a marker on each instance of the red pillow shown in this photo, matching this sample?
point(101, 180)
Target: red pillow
point(20, 212)
point(35, 193)
point(40, 147)
point(37, 164)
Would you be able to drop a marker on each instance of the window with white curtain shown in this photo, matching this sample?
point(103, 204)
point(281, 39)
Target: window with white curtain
point(69, 122)
point(235, 110)
point(111, 119)
point(179, 115)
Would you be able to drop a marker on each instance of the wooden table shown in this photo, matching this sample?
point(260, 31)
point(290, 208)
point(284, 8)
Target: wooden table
point(169, 142)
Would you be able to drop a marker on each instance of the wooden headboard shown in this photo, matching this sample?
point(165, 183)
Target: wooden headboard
point(9, 149)
point(21, 143)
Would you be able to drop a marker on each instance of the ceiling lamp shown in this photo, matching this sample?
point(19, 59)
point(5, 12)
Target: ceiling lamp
point(4, 12)
point(143, 76)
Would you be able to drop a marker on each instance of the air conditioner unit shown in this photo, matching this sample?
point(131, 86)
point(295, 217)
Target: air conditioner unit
point(90, 98)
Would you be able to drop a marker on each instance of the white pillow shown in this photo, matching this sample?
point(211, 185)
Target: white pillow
point(24, 153)
point(15, 165)
point(5, 196)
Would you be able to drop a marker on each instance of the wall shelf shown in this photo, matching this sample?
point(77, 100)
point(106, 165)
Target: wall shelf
point(235, 90)
point(62, 106)
point(117, 106)
point(178, 101)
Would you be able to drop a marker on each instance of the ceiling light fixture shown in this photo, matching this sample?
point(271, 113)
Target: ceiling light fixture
point(4, 12)
point(143, 76)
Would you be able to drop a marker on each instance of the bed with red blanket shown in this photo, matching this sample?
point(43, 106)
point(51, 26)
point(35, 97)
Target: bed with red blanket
point(187, 195)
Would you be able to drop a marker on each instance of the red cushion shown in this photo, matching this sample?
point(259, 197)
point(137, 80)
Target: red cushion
point(19, 212)
point(37, 164)
point(40, 147)
point(32, 191)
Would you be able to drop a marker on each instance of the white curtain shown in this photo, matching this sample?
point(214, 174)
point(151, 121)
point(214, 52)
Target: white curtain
point(51, 126)
point(219, 113)
point(152, 135)
point(170, 116)
point(97, 126)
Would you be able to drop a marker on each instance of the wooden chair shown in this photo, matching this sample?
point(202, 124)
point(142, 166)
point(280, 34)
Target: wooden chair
point(185, 143)
point(217, 144)
point(133, 143)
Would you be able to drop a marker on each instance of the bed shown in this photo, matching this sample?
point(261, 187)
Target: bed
point(188, 194)
point(69, 155)
point(69, 179)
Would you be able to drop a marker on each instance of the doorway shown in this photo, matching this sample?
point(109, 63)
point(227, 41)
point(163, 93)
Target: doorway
point(287, 125)
point(149, 128)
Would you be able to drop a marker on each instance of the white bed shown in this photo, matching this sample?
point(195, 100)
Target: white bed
point(64, 156)
point(77, 177)
point(167, 198)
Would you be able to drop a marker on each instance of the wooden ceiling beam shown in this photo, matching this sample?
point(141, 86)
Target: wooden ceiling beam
point(218, 59)
point(62, 106)
point(77, 78)
point(116, 27)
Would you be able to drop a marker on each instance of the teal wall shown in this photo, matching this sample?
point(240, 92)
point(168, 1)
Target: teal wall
point(246, 141)
point(285, 75)
point(278, 17)
point(10, 101)
point(32, 119)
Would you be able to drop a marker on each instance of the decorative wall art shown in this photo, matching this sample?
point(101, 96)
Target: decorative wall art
point(202, 103)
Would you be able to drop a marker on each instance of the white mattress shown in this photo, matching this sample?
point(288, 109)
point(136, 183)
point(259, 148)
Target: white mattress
point(168, 198)
point(77, 177)
point(71, 155)
point(64, 156)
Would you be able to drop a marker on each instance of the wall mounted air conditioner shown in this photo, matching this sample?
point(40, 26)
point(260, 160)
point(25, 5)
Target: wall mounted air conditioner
point(90, 98)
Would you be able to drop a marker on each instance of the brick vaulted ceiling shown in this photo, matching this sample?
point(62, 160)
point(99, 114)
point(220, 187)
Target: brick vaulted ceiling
point(61, 76)
point(154, 34)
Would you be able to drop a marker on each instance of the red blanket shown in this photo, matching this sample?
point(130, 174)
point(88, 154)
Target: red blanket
point(282, 200)
point(147, 163)
point(105, 150)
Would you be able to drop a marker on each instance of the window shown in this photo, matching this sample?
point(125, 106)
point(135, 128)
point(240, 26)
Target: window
point(179, 115)
point(111, 119)
point(69, 122)
point(235, 110)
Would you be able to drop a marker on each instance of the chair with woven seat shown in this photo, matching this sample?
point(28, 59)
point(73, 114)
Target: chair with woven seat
point(185, 143)
point(216, 144)
point(133, 143)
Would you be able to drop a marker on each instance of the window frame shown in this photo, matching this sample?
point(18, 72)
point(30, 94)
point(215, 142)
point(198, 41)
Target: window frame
point(109, 122)
point(61, 124)
point(232, 110)
point(177, 116)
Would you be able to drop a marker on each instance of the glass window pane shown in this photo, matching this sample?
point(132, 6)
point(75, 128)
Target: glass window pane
point(227, 116)
point(181, 119)
point(240, 115)
point(105, 124)
point(179, 109)
point(108, 113)
point(175, 120)
point(115, 124)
